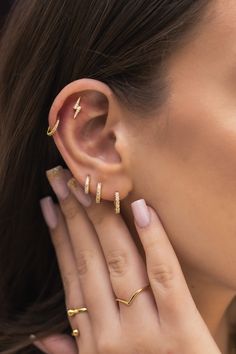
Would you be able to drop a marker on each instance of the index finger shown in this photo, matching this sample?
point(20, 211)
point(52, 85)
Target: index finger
point(169, 287)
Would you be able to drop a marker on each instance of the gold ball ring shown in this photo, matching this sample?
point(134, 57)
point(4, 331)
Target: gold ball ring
point(131, 299)
point(75, 332)
point(73, 312)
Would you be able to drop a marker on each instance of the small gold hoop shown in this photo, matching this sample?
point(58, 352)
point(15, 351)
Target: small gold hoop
point(117, 202)
point(99, 192)
point(50, 131)
point(73, 312)
point(75, 332)
point(87, 184)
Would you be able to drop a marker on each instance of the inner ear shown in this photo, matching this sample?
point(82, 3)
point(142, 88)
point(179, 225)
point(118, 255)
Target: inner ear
point(89, 129)
point(95, 142)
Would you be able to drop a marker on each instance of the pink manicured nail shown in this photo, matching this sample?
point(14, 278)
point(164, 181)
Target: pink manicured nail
point(57, 180)
point(78, 192)
point(49, 212)
point(141, 213)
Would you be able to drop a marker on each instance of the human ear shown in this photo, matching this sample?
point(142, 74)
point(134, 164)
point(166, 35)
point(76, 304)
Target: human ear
point(94, 142)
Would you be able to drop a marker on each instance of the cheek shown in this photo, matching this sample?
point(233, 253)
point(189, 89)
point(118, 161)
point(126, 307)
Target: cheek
point(189, 177)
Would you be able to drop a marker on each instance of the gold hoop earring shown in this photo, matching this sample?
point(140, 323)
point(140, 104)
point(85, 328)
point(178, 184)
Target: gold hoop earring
point(77, 107)
point(99, 192)
point(117, 202)
point(87, 184)
point(50, 131)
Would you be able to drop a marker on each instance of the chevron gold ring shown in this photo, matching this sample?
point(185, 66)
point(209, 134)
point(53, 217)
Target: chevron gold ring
point(131, 299)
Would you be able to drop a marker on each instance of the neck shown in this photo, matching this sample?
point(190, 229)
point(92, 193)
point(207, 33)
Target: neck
point(212, 300)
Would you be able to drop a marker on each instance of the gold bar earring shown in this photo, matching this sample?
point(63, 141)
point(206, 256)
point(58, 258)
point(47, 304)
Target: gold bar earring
point(77, 107)
point(117, 202)
point(50, 131)
point(87, 184)
point(99, 192)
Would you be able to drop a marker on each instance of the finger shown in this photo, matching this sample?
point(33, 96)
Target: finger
point(67, 266)
point(126, 268)
point(90, 263)
point(169, 287)
point(57, 344)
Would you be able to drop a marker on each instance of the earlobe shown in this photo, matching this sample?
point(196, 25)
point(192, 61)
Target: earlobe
point(86, 116)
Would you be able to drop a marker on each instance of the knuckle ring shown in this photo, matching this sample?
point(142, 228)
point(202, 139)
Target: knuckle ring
point(133, 296)
point(75, 311)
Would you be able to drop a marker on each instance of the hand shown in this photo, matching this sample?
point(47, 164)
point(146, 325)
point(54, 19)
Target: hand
point(99, 262)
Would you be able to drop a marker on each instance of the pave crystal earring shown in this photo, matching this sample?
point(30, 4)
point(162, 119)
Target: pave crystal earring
point(117, 202)
point(77, 107)
point(99, 192)
point(87, 184)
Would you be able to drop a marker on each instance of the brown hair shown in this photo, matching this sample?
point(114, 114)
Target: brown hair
point(44, 46)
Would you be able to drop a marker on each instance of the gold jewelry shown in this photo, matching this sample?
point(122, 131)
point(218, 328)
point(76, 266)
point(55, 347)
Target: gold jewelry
point(99, 192)
point(87, 184)
point(73, 312)
point(75, 332)
point(50, 131)
point(117, 202)
point(77, 107)
point(133, 296)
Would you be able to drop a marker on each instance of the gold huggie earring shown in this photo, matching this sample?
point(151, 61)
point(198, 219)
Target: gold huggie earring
point(77, 107)
point(117, 202)
point(50, 131)
point(87, 185)
point(99, 192)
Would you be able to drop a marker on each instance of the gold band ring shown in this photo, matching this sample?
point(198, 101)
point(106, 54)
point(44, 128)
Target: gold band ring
point(73, 312)
point(75, 332)
point(125, 302)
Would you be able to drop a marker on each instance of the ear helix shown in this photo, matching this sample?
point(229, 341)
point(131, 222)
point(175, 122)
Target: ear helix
point(77, 109)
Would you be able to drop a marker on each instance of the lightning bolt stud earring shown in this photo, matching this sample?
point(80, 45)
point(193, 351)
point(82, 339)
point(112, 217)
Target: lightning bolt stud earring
point(77, 107)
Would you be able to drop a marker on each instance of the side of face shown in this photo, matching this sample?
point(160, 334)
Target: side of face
point(184, 161)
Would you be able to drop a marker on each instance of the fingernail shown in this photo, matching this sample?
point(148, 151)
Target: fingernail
point(49, 211)
point(57, 180)
point(78, 192)
point(141, 213)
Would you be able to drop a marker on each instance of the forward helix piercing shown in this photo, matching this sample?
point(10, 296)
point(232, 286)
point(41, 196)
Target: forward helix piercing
point(77, 109)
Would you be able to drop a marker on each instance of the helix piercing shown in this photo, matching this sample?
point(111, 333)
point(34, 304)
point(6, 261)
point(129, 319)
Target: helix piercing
point(77, 107)
point(50, 131)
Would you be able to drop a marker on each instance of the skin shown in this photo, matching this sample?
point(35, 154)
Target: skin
point(183, 163)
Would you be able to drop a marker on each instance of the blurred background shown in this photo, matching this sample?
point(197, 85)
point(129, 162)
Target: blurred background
point(5, 6)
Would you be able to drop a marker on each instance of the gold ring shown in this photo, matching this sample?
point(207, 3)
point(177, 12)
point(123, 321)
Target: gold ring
point(75, 332)
point(125, 302)
point(73, 312)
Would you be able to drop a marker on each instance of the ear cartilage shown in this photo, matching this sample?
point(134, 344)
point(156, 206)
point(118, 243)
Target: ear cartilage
point(77, 107)
point(52, 131)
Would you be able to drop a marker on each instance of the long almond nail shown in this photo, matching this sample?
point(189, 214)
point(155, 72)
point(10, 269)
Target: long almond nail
point(49, 212)
point(78, 192)
point(57, 180)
